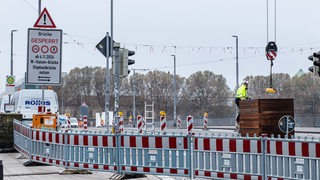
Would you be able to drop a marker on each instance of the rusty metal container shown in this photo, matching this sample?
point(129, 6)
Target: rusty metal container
point(262, 116)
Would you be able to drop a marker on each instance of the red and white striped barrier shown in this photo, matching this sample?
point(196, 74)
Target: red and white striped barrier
point(238, 145)
point(190, 124)
point(85, 122)
point(226, 175)
point(68, 123)
point(130, 121)
point(293, 148)
point(163, 124)
point(48, 137)
point(203, 148)
point(22, 129)
point(121, 124)
point(92, 140)
point(228, 145)
point(139, 124)
point(179, 122)
point(158, 142)
point(205, 121)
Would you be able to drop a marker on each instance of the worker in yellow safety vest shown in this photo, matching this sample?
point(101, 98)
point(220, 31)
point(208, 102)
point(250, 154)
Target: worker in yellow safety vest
point(241, 95)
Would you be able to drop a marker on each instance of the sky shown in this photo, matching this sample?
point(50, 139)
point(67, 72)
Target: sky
point(198, 32)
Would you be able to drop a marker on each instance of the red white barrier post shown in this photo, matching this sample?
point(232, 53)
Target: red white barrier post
point(190, 124)
point(130, 121)
point(139, 124)
point(179, 122)
point(68, 122)
point(205, 121)
point(163, 122)
point(121, 122)
point(85, 122)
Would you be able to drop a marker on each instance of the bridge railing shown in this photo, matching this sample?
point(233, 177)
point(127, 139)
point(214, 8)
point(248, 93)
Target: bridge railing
point(194, 156)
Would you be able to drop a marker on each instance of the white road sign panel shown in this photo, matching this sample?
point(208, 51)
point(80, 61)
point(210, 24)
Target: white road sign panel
point(44, 56)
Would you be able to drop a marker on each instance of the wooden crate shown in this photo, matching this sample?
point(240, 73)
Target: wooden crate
point(261, 116)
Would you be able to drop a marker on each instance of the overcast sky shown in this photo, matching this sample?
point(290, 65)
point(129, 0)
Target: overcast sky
point(198, 32)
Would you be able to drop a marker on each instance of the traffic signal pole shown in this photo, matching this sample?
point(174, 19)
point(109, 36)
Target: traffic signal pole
point(116, 49)
point(107, 95)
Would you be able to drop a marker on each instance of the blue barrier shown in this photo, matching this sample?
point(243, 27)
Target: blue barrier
point(192, 156)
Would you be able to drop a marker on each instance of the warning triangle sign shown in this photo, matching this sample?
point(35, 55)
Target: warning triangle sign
point(44, 20)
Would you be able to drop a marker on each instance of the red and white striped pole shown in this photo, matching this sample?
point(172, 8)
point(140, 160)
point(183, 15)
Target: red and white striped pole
point(68, 122)
point(179, 122)
point(121, 122)
point(190, 124)
point(140, 124)
point(205, 121)
point(130, 121)
point(163, 122)
point(85, 122)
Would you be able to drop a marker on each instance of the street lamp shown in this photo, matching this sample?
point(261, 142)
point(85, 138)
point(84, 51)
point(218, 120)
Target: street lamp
point(12, 31)
point(237, 65)
point(174, 93)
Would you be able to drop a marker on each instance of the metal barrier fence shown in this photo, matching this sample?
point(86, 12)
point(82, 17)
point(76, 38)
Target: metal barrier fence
point(194, 156)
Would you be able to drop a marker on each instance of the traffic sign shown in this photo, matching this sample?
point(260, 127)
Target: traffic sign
point(286, 124)
point(102, 47)
point(84, 110)
point(10, 82)
point(44, 56)
point(271, 50)
point(44, 20)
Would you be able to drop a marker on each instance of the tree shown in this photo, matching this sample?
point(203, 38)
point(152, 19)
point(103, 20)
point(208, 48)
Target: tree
point(306, 91)
point(258, 84)
point(206, 91)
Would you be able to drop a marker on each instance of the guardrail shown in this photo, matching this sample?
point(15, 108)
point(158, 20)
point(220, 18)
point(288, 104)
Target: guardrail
point(193, 156)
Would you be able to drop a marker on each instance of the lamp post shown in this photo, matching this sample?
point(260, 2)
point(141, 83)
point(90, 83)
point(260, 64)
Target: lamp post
point(174, 93)
point(237, 65)
point(39, 7)
point(11, 72)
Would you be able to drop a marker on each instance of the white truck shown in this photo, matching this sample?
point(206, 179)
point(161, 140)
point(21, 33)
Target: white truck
point(27, 101)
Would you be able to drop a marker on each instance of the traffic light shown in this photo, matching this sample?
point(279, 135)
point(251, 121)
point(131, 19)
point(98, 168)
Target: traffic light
point(125, 62)
point(316, 63)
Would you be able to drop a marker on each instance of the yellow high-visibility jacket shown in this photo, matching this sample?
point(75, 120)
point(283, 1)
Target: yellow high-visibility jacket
point(242, 92)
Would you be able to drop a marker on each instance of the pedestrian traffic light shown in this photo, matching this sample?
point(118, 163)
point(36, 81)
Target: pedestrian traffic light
point(316, 63)
point(125, 62)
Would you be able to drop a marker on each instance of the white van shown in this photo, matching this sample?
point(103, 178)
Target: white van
point(4, 100)
point(26, 102)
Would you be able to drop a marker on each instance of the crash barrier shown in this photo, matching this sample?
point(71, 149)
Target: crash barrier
point(213, 156)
